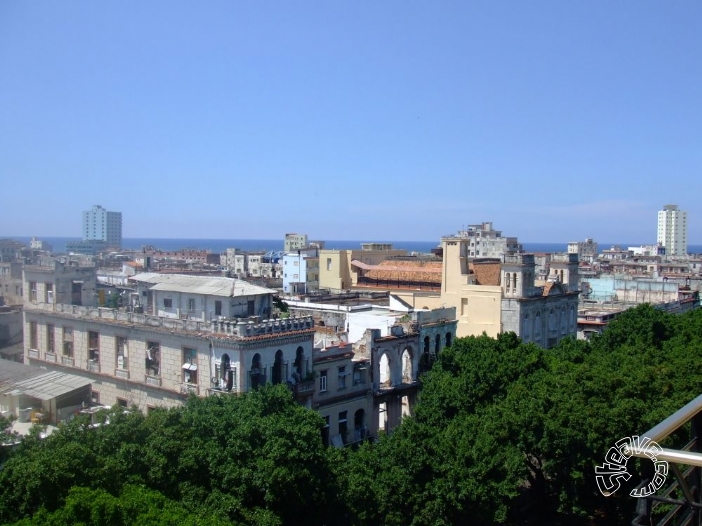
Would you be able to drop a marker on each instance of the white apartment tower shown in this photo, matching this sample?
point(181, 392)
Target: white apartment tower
point(101, 225)
point(672, 230)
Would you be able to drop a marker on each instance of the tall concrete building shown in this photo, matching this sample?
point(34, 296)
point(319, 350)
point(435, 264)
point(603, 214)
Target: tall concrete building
point(101, 225)
point(672, 230)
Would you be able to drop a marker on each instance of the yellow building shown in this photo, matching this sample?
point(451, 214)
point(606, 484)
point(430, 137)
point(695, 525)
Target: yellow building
point(336, 271)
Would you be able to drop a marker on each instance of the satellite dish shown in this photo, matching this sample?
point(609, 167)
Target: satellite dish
point(62, 260)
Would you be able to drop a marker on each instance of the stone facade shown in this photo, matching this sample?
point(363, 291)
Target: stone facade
point(149, 361)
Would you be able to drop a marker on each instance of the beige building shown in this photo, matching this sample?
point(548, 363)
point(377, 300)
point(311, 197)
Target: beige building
point(492, 296)
point(149, 360)
point(343, 395)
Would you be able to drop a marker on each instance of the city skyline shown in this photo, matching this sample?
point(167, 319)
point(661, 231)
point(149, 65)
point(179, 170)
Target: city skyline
point(395, 121)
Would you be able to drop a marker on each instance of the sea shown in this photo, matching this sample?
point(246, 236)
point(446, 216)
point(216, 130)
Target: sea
point(221, 245)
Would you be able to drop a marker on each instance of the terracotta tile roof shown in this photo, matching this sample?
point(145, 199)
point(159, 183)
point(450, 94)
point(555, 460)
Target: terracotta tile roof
point(487, 272)
point(405, 271)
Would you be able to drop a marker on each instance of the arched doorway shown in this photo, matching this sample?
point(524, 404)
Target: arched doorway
point(299, 364)
point(437, 344)
point(407, 366)
point(448, 339)
point(385, 371)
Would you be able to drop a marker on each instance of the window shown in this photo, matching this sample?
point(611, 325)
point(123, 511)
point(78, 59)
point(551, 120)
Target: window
point(49, 293)
point(191, 304)
point(50, 344)
point(33, 334)
point(68, 342)
point(343, 425)
point(342, 377)
point(189, 365)
point(167, 303)
point(329, 264)
point(121, 402)
point(218, 308)
point(359, 375)
point(95, 397)
point(322, 381)
point(122, 352)
point(94, 346)
point(32, 291)
point(153, 359)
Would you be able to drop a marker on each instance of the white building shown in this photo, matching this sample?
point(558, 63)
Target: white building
point(201, 297)
point(301, 271)
point(672, 230)
point(101, 225)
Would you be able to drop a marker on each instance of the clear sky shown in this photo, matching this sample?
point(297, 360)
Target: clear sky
point(351, 119)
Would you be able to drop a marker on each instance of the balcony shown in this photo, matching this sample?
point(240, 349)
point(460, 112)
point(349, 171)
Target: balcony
point(152, 380)
point(93, 366)
point(33, 353)
point(304, 389)
point(50, 357)
point(67, 360)
point(189, 389)
point(122, 373)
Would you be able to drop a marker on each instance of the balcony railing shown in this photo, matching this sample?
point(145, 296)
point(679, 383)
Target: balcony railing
point(50, 357)
point(189, 389)
point(152, 380)
point(93, 366)
point(33, 353)
point(67, 360)
point(122, 373)
point(305, 388)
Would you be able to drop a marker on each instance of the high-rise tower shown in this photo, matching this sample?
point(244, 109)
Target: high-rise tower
point(672, 230)
point(101, 225)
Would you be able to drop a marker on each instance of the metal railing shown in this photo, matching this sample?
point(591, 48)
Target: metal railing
point(684, 495)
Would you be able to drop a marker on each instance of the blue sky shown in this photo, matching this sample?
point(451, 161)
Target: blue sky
point(351, 119)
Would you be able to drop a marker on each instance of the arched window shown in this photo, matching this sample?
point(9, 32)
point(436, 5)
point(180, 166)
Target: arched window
point(448, 339)
point(437, 344)
point(299, 365)
point(278, 373)
point(258, 374)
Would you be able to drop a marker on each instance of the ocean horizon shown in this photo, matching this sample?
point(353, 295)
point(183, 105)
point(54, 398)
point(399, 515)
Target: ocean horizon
point(221, 245)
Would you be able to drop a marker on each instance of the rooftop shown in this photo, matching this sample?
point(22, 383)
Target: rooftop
point(206, 285)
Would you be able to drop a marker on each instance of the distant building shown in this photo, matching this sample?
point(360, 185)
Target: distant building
point(586, 250)
point(485, 242)
point(672, 230)
point(10, 249)
point(38, 244)
point(101, 225)
point(294, 242)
